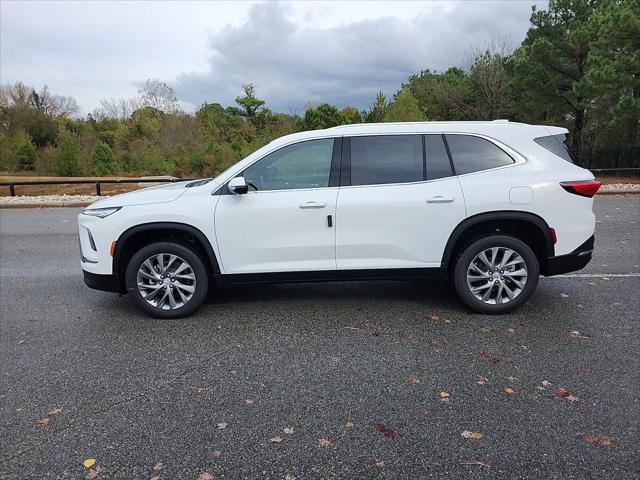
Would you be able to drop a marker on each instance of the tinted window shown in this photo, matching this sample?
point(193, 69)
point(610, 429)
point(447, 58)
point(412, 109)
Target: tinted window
point(386, 159)
point(301, 165)
point(438, 165)
point(555, 144)
point(473, 154)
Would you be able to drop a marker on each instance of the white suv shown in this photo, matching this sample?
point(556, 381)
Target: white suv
point(492, 204)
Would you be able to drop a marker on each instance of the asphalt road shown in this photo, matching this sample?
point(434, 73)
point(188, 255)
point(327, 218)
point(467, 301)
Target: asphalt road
point(134, 391)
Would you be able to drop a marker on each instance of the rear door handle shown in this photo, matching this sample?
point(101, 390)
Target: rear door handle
point(439, 199)
point(313, 205)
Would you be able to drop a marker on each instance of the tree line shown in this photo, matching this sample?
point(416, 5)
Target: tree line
point(578, 67)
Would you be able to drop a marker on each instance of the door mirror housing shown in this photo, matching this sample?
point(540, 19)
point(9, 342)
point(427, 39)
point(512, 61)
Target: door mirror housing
point(238, 186)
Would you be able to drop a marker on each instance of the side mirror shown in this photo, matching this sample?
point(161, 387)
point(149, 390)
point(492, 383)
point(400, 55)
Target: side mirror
point(238, 186)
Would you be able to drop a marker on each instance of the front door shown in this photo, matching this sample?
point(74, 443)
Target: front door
point(285, 222)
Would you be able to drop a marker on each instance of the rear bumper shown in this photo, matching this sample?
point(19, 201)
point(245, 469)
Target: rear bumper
point(106, 283)
point(573, 261)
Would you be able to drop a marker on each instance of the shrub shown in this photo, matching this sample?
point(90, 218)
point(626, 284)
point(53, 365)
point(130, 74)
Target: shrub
point(102, 161)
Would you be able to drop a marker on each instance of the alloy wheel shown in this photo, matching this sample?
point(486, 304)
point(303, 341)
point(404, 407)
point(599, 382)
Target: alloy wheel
point(497, 275)
point(166, 281)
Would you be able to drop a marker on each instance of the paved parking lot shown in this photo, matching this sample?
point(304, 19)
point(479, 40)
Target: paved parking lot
point(370, 380)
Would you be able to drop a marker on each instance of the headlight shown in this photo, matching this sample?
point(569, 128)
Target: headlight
point(100, 212)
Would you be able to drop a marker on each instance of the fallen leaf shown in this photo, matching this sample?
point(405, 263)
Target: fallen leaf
point(594, 439)
point(380, 463)
point(89, 462)
point(444, 394)
point(473, 435)
point(221, 425)
point(491, 359)
point(568, 394)
point(349, 424)
point(289, 477)
point(43, 422)
point(509, 390)
point(233, 372)
point(216, 453)
point(276, 439)
point(485, 330)
point(248, 402)
point(157, 467)
point(205, 476)
point(586, 370)
point(564, 295)
point(480, 380)
point(94, 472)
point(387, 360)
point(510, 331)
point(157, 477)
point(525, 348)
point(424, 411)
point(413, 379)
point(324, 442)
point(577, 334)
point(434, 317)
point(513, 379)
point(476, 462)
point(546, 383)
point(337, 360)
point(288, 430)
point(403, 335)
point(375, 333)
point(382, 428)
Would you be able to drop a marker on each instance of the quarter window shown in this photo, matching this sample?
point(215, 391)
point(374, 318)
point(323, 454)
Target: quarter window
point(438, 165)
point(386, 159)
point(301, 165)
point(473, 154)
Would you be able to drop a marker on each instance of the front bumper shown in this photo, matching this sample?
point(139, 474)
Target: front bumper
point(573, 261)
point(106, 283)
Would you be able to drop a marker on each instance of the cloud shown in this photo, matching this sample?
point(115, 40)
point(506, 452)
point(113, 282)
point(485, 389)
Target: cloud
point(293, 64)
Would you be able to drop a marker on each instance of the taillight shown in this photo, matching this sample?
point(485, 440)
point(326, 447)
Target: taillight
point(585, 188)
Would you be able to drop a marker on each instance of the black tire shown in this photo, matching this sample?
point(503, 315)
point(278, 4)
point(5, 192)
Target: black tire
point(194, 262)
point(469, 253)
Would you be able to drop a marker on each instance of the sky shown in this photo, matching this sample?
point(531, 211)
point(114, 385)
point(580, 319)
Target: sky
point(295, 53)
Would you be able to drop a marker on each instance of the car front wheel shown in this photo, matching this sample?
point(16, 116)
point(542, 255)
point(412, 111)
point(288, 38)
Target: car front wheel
point(496, 274)
point(167, 280)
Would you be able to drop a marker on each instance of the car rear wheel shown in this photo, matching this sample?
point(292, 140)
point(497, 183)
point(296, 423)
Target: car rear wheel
point(167, 280)
point(496, 274)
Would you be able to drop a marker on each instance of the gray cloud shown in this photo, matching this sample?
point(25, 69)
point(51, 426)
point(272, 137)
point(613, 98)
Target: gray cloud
point(293, 65)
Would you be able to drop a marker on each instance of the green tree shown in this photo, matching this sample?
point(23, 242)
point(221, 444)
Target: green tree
point(551, 67)
point(321, 116)
point(351, 115)
point(378, 111)
point(614, 61)
point(23, 152)
point(102, 161)
point(67, 157)
point(249, 103)
point(404, 108)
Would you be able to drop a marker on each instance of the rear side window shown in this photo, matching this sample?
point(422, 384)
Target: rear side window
point(555, 144)
point(438, 165)
point(474, 154)
point(386, 159)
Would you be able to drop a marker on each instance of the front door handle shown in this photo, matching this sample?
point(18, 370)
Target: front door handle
point(439, 199)
point(313, 205)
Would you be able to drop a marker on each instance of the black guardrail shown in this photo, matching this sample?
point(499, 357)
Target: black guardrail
point(98, 183)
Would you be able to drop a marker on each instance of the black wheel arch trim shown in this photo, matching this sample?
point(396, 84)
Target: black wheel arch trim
point(469, 222)
point(145, 227)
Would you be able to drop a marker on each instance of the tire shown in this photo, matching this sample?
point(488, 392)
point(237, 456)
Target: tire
point(175, 290)
point(503, 290)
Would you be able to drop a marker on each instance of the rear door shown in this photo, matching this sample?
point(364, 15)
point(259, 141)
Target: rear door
point(398, 202)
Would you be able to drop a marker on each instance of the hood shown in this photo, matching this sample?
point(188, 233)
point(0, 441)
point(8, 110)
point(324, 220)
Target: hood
point(145, 196)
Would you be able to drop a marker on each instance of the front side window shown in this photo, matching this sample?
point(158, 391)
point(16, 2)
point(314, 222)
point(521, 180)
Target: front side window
point(386, 159)
point(474, 154)
point(301, 165)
